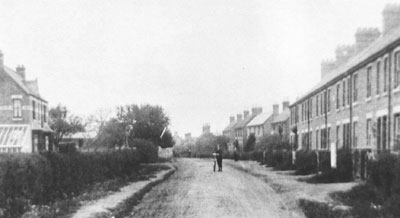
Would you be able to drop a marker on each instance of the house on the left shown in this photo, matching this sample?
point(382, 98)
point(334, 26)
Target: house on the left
point(23, 113)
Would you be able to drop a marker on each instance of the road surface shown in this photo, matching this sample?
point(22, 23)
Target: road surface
point(195, 191)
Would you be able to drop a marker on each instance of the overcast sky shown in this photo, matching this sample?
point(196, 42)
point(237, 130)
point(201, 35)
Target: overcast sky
point(202, 60)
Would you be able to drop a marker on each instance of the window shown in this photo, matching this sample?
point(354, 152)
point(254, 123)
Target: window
point(337, 96)
point(322, 103)
point(378, 71)
point(311, 114)
point(316, 139)
point(328, 99)
point(355, 88)
point(355, 139)
point(328, 137)
point(44, 113)
point(397, 70)
point(323, 138)
point(17, 108)
point(385, 74)
point(33, 110)
point(397, 129)
point(344, 93)
point(368, 82)
point(348, 90)
point(316, 106)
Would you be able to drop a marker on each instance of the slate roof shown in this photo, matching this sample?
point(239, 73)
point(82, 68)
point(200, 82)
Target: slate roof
point(357, 60)
point(260, 119)
point(282, 117)
point(244, 122)
point(229, 127)
point(30, 87)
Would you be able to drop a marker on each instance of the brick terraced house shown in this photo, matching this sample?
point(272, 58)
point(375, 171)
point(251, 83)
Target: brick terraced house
point(356, 105)
point(23, 113)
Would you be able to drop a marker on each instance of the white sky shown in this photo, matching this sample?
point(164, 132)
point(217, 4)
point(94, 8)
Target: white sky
point(202, 60)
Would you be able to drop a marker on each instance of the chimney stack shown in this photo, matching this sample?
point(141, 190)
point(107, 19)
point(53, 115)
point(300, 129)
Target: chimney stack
point(231, 119)
point(391, 17)
point(21, 71)
point(239, 117)
point(365, 37)
point(275, 109)
point(246, 114)
point(285, 105)
point(327, 67)
point(256, 110)
point(1, 60)
point(344, 53)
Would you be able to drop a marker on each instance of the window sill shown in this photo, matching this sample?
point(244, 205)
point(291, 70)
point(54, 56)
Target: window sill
point(355, 103)
point(17, 118)
point(396, 90)
point(384, 94)
point(368, 99)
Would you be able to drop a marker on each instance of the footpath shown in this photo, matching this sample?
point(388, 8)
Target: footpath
point(290, 187)
point(101, 207)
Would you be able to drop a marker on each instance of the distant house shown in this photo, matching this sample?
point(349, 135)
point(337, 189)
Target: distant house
point(229, 130)
point(281, 123)
point(80, 139)
point(240, 128)
point(23, 113)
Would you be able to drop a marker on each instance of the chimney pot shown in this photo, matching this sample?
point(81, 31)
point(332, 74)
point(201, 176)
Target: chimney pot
point(285, 105)
point(327, 67)
point(239, 117)
point(246, 113)
point(391, 17)
point(256, 110)
point(231, 119)
point(275, 109)
point(365, 37)
point(21, 71)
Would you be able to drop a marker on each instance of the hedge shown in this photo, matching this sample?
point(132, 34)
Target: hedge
point(40, 179)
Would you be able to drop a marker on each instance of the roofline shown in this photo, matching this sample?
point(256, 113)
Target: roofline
point(350, 70)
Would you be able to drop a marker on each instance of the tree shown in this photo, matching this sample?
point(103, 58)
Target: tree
point(112, 134)
point(251, 141)
point(62, 124)
point(147, 122)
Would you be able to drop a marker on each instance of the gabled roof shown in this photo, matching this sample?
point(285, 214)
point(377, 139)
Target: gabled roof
point(357, 60)
point(229, 127)
point(282, 117)
point(29, 87)
point(244, 122)
point(260, 119)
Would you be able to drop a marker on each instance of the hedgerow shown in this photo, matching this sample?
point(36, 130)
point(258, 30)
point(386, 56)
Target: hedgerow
point(40, 179)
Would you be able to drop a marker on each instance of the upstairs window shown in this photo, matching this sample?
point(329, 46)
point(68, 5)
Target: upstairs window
point(348, 90)
point(17, 108)
point(355, 88)
point(328, 100)
point(397, 69)
point(44, 113)
point(369, 132)
point(34, 110)
point(385, 74)
point(378, 71)
point(337, 96)
point(316, 106)
point(368, 82)
point(344, 93)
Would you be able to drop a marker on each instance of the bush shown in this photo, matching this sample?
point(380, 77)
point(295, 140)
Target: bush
point(306, 162)
point(34, 179)
point(147, 152)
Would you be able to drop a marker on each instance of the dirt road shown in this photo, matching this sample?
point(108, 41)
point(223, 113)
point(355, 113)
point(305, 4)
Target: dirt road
point(195, 191)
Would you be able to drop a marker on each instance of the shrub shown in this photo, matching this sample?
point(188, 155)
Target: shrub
point(40, 179)
point(147, 152)
point(382, 174)
point(306, 162)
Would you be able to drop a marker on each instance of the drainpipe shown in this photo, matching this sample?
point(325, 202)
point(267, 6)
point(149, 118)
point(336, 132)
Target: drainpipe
point(350, 93)
point(389, 100)
point(326, 118)
point(308, 123)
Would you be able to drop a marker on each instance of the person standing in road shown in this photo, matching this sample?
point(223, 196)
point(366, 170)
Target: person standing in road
point(219, 157)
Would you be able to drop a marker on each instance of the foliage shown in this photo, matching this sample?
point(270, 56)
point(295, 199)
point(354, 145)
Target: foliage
point(306, 162)
point(250, 143)
point(42, 179)
point(147, 122)
point(272, 142)
point(62, 124)
point(147, 151)
point(112, 134)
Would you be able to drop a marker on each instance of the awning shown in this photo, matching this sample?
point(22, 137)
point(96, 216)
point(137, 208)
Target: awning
point(13, 135)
